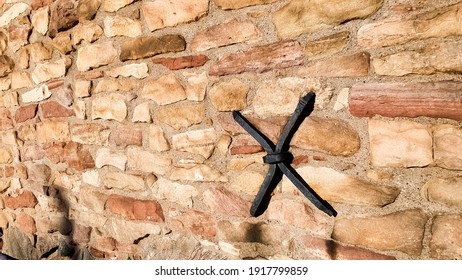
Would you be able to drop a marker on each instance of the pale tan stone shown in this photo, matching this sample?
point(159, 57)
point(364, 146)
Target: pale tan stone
point(105, 156)
point(141, 113)
point(5, 155)
point(164, 13)
point(115, 5)
point(18, 35)
point(8, 99)
point(351, 65)
point(223, 34)
point(123, 181)
point(12, 13)
point(21, 80)
point(39, 52)
point(196, 85)
point(63, 42)
point(95, 55)
point(182, 115)
point(237, 4)
point(110, 85)
point(273, 99)
point(248, 182)
point(87, 31)
point(326, 46)
point(446, 238)
point(446, 138)
point(197, 173)
point(157, 140)
point(144, 161)
point(82, 88)
point(301, 16)
point(3, 219)
point(122, 26)
point(229, 96)
point(135, 70)
point(334, 186)
point(49, 70)
point(402, 231)
point(49, 131)
point(91, 177)
point(223, 144)
point(400, 144)
point(80, 109)
point(342, 99)
point(109, 107)
point(37, 94)
point(5, 83)
point(175, 192)
point(165, 90)
point(446, 191)
point(241, 162)
point(200, 142)
point(39, 20)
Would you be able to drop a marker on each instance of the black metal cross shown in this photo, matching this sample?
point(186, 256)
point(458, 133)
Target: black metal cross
point(279, 158)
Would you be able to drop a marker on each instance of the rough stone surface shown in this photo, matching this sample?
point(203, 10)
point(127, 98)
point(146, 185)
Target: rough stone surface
point(6, 121)
point(148, 46)
point(63, 16)
point(134, 209)
point(384, 232)
point(12, 13)
point(119, 180)
point(247, 182)
point(354, 65)
point(157, 140)
point(93, 56)
point(141, 113)
point(197, 173)
point(71, 153)
point(122, 26)
point(105, 156)
point(181, 115)
point(446, 191)
point(110, 85)
point(21, 80)
point(326, 46)
point(124, 136)
point(53, 131)
point(53, 109)
point(200, 142)
point(194, 221)
point(26, 223)
point(36, 94)
point(90, 134)
point(114, 5)
point(400, 144)
point(221, 200)
point(175, 192)
point(139, 160)
point(182, 62)
point(196, 85)
point(446, 237)
point(165, 90)
point(8, 99)
point(229, 96)
point(25, 113)
point(86, 31)
point(446, 138)
point(23, 199)
point(49, 70)
point(135, 70)
point(237, 4)
point(109, 107)
point(87, 9)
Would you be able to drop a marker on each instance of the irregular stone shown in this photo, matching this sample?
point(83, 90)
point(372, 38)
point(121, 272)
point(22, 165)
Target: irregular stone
point(400, 144)
point(433, 58)
point(248, 182)
point(326, 46)
point(39, 52)
point(53, 131)
point(447, 191)
point(200, 142)
point(182, 62)
point(5, 155)
point(229, 96)
point(353, 65)
point(299, 16)
point(182, 115)
point(162, 13)
point(80, 109)
point(141, 113)
point(197, 173)
point(87, 9)
point(6, 122)
point(12, 13)
point(402, 231)
point(81, 234)
point(3, 42)
point(90, 134)
point(147, 46)
point(49, 70)
point(26, 223)
point(3, 220)
point(237, 4)
point(37, 94)
point(63, 16)
point(6, 65)
point(342, 99)
point(196, 85)
point(21, 80)
point(115, 5)
point(446, 137)
point(23, 199)
point(105, 156)
point(446, 239)
point(82, 88)
point(127, 135)
point(435, 24)
point(63, 43)
point(18, 245)
point(315, 134)
point(25, 113)
point(157, 141)
point(71, 153)
point(196, 222)
point(18, 36)
point(31, 151)
point(122, 26)
point(87, 31)
point(174, 192)
point(135, 70)
point(221, 200)
point(39, 20)
point(111, 85)
point(8, 99)
point(437, 100)
point(334, 186)
point(246, 149)
point(123, 181)
point(109, 107)
point(134, 209)
point(223, 144)
point(139, 160)
point(95, 55)
point(5, 83)
point(165, 90)
point(260, 59)
point(91, 177)
point(53, 109)
point(224, 34)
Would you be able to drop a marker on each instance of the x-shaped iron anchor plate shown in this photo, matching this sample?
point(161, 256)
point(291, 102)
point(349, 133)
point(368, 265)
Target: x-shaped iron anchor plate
point(279, 158)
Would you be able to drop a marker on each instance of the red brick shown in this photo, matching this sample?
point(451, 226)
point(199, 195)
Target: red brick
point(26, 223)
point(135, 209)
point(176, 63)
point(247, 149)
point(71, 153)
point(26, 199)
point(127, 135)
point(196, 222)
point(25, 113)
point(5, 119)
point(55, 84)
point(53, 109)
point(90, 75)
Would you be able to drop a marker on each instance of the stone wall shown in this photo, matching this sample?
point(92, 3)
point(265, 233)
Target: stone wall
point(117, 139)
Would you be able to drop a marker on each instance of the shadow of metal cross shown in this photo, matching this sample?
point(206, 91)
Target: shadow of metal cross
point(279, 159)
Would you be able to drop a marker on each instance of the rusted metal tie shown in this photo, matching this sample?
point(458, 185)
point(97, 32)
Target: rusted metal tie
point(279, 158)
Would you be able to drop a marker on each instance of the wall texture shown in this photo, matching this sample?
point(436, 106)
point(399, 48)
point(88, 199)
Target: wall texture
point(117, 139)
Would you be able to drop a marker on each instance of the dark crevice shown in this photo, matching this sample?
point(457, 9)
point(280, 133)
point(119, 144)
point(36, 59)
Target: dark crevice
point(331, 249)
point(49, 253)
point(141, 238)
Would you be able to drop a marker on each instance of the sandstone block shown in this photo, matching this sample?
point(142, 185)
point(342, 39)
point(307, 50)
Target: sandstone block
point(37, 94)
point(87, 9)
point(260, 59)
point(135, 209)
point(136, 70)
point(446, 138)
point(221, 200)
point(71, 153)
point(248, 182)
point(49, 70)
point(182, 62)
point(105, 156)
point(196, 222)
point(326, 46)
point(446, 191)
point(354, 65)
point(174, 192)
point(437, 100)
point(23, 199)
point(157, 140)
point(139, 160)
point(6, 121)
point(119, 180)
point(165, 90)
point(245, 149)
point(400, 144)
point(223, 34)
point(334, 186)
point(237, 4)
point(25, 223)
point(25, 113)
point(122, 26)
point(63, 43)
point(299, 16)
point(196, 85)
point(402, 231)
point(182, 115)
point(53, 109)
point(109, 107)
point(127, 135)
point(200, 142)
point(111, 85)
point(12, 13)
point(21, 80)
point(148, 46)
point(90, 134)
point(8, 99)
point(342, 99)
point(95, 55)
point(141, 113)
point(197, 173)
point(229, 96)
point(82, 88)
point(18, 36)
point(5, 155)
point(63, 16)
point(446, 239)
point(115, 5)
point(6, 65)
point(53, 131)
point(86, 31)
point(163, 13)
